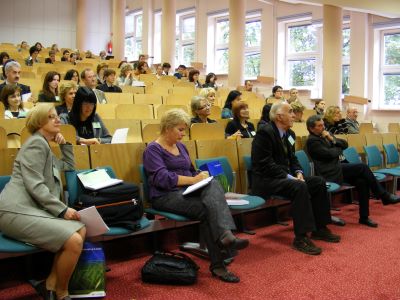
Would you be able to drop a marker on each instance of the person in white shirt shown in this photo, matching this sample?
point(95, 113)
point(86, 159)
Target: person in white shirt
point(10, 95)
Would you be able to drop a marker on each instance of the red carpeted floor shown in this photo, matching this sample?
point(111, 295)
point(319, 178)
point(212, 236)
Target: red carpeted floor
point(364, 265)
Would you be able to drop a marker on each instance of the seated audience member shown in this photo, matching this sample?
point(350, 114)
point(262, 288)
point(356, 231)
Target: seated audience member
point(170, 171)
point(54, 47)
point(38, 46)
point(12, 74)
point(52, 57)
point(142, 58)
point(126, 76)
point(72, 75)
point(276, 171)
point(88, 54)
point(103, 55)
point(73, 58)
point(298, 109)
point(334, 123)
point(23, 46)
point(277, 95)
point(67, 93)
point(4, 57)
point(232, 97)
point(181, 72)
point(109, 80)
point(351, 121)
point(264, 115)
point(200, 110)
point(166, 67)
point(31, 207)
point(326, 151)
point(159, 72)
point(89, 126)
point(293, 96)
point(194, 77)
point(100, 72)
point(49, 92)
point(211, 81)
point(33, 54)
point(319, 107)
point(248, 86)
point(141, 68)
point(10, 95)
point(65, 56)
point(239, 126)
point(209, 94)
point(78, 55)
point(89, 79)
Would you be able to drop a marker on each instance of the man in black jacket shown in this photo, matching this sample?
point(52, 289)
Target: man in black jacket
point(12, 74)
point(276, 171)
point(326, 152)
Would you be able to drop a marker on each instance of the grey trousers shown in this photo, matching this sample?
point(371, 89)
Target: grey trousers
point(208, 205)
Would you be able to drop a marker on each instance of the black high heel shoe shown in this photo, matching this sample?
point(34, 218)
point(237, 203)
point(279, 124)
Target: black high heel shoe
point(226, 276)
point(40, 288)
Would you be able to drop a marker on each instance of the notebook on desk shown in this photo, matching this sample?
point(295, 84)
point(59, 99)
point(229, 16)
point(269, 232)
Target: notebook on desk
point(97, 179)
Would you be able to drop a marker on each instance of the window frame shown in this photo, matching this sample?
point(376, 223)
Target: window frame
point(182, 43)
point(134, 35)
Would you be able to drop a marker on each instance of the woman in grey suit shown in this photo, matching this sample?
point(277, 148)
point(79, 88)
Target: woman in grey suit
point(32, 209)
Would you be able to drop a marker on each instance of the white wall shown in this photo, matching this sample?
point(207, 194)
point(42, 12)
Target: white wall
point(53, 21)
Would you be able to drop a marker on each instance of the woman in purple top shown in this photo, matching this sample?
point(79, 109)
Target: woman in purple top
point(170, 171)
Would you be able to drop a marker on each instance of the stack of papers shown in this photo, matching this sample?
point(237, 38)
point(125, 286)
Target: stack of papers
point(93, 221)
point(97, 179)
point(196, 186)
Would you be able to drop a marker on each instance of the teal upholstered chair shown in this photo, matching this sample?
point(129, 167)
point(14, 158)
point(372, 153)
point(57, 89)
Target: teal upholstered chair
point(8, 246)
point(254, 201)
point(75, 189)
point(375, 160)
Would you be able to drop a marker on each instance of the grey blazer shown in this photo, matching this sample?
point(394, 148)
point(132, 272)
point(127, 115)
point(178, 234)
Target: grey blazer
point(31, 202)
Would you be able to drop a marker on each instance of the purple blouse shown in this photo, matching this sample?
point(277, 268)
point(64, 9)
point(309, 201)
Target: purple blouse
point(163, 168)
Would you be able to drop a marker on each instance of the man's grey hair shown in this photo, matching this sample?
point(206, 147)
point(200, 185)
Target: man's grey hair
point(275, 109)
point(11, 64)
point(312, 120)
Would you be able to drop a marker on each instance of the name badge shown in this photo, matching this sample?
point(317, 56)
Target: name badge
point(96, 125)
point(253, 133)
point(291, 140)
point(58, 98)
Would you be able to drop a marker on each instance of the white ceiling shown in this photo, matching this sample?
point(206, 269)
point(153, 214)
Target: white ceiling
point(385, 8)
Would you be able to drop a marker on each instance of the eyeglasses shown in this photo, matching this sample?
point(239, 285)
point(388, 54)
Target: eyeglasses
point(53, 117)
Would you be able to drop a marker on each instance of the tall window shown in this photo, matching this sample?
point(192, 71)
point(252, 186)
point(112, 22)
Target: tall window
point(252, 45)
point(185, 38)
point(133, 35)
point(302, 56)
point(390, 70)
point(346, 62)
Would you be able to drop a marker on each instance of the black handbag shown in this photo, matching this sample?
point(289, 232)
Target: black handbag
point(170, 268)
point(118, 205)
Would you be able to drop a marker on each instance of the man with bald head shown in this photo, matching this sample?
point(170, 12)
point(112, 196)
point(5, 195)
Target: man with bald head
point(351, 121)
point(276, 171)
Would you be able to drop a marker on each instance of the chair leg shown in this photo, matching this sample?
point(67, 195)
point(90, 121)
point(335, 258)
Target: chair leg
point(242, 226)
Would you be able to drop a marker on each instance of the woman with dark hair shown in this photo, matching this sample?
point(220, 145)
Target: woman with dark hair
point(4, 57)
point(72, 75)
point(65, 56)
point(319, 107)
point(49, 92)
point(239, 126)
point(227, 109)
point(194, 77)
point(142, 68)
point(23, 46)
point(100, 72)
point(38, 46)
point(277, 95)
point(211, 79)
point(10, 95)
point(89, 127)
point(264, 115)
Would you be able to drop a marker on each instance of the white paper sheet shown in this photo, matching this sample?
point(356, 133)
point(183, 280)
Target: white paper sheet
point(196, 186)
point(94, 222)
point(97, 179)
point(120, 136)
point(25, 97)
point(237, 202)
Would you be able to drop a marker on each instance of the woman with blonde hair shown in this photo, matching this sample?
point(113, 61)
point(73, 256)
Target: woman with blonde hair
point(32, 209)
point(170, 171)
point(200, 110)
point(334, 123)
point(126, 76)
point(67, 96)
point(208, 93)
